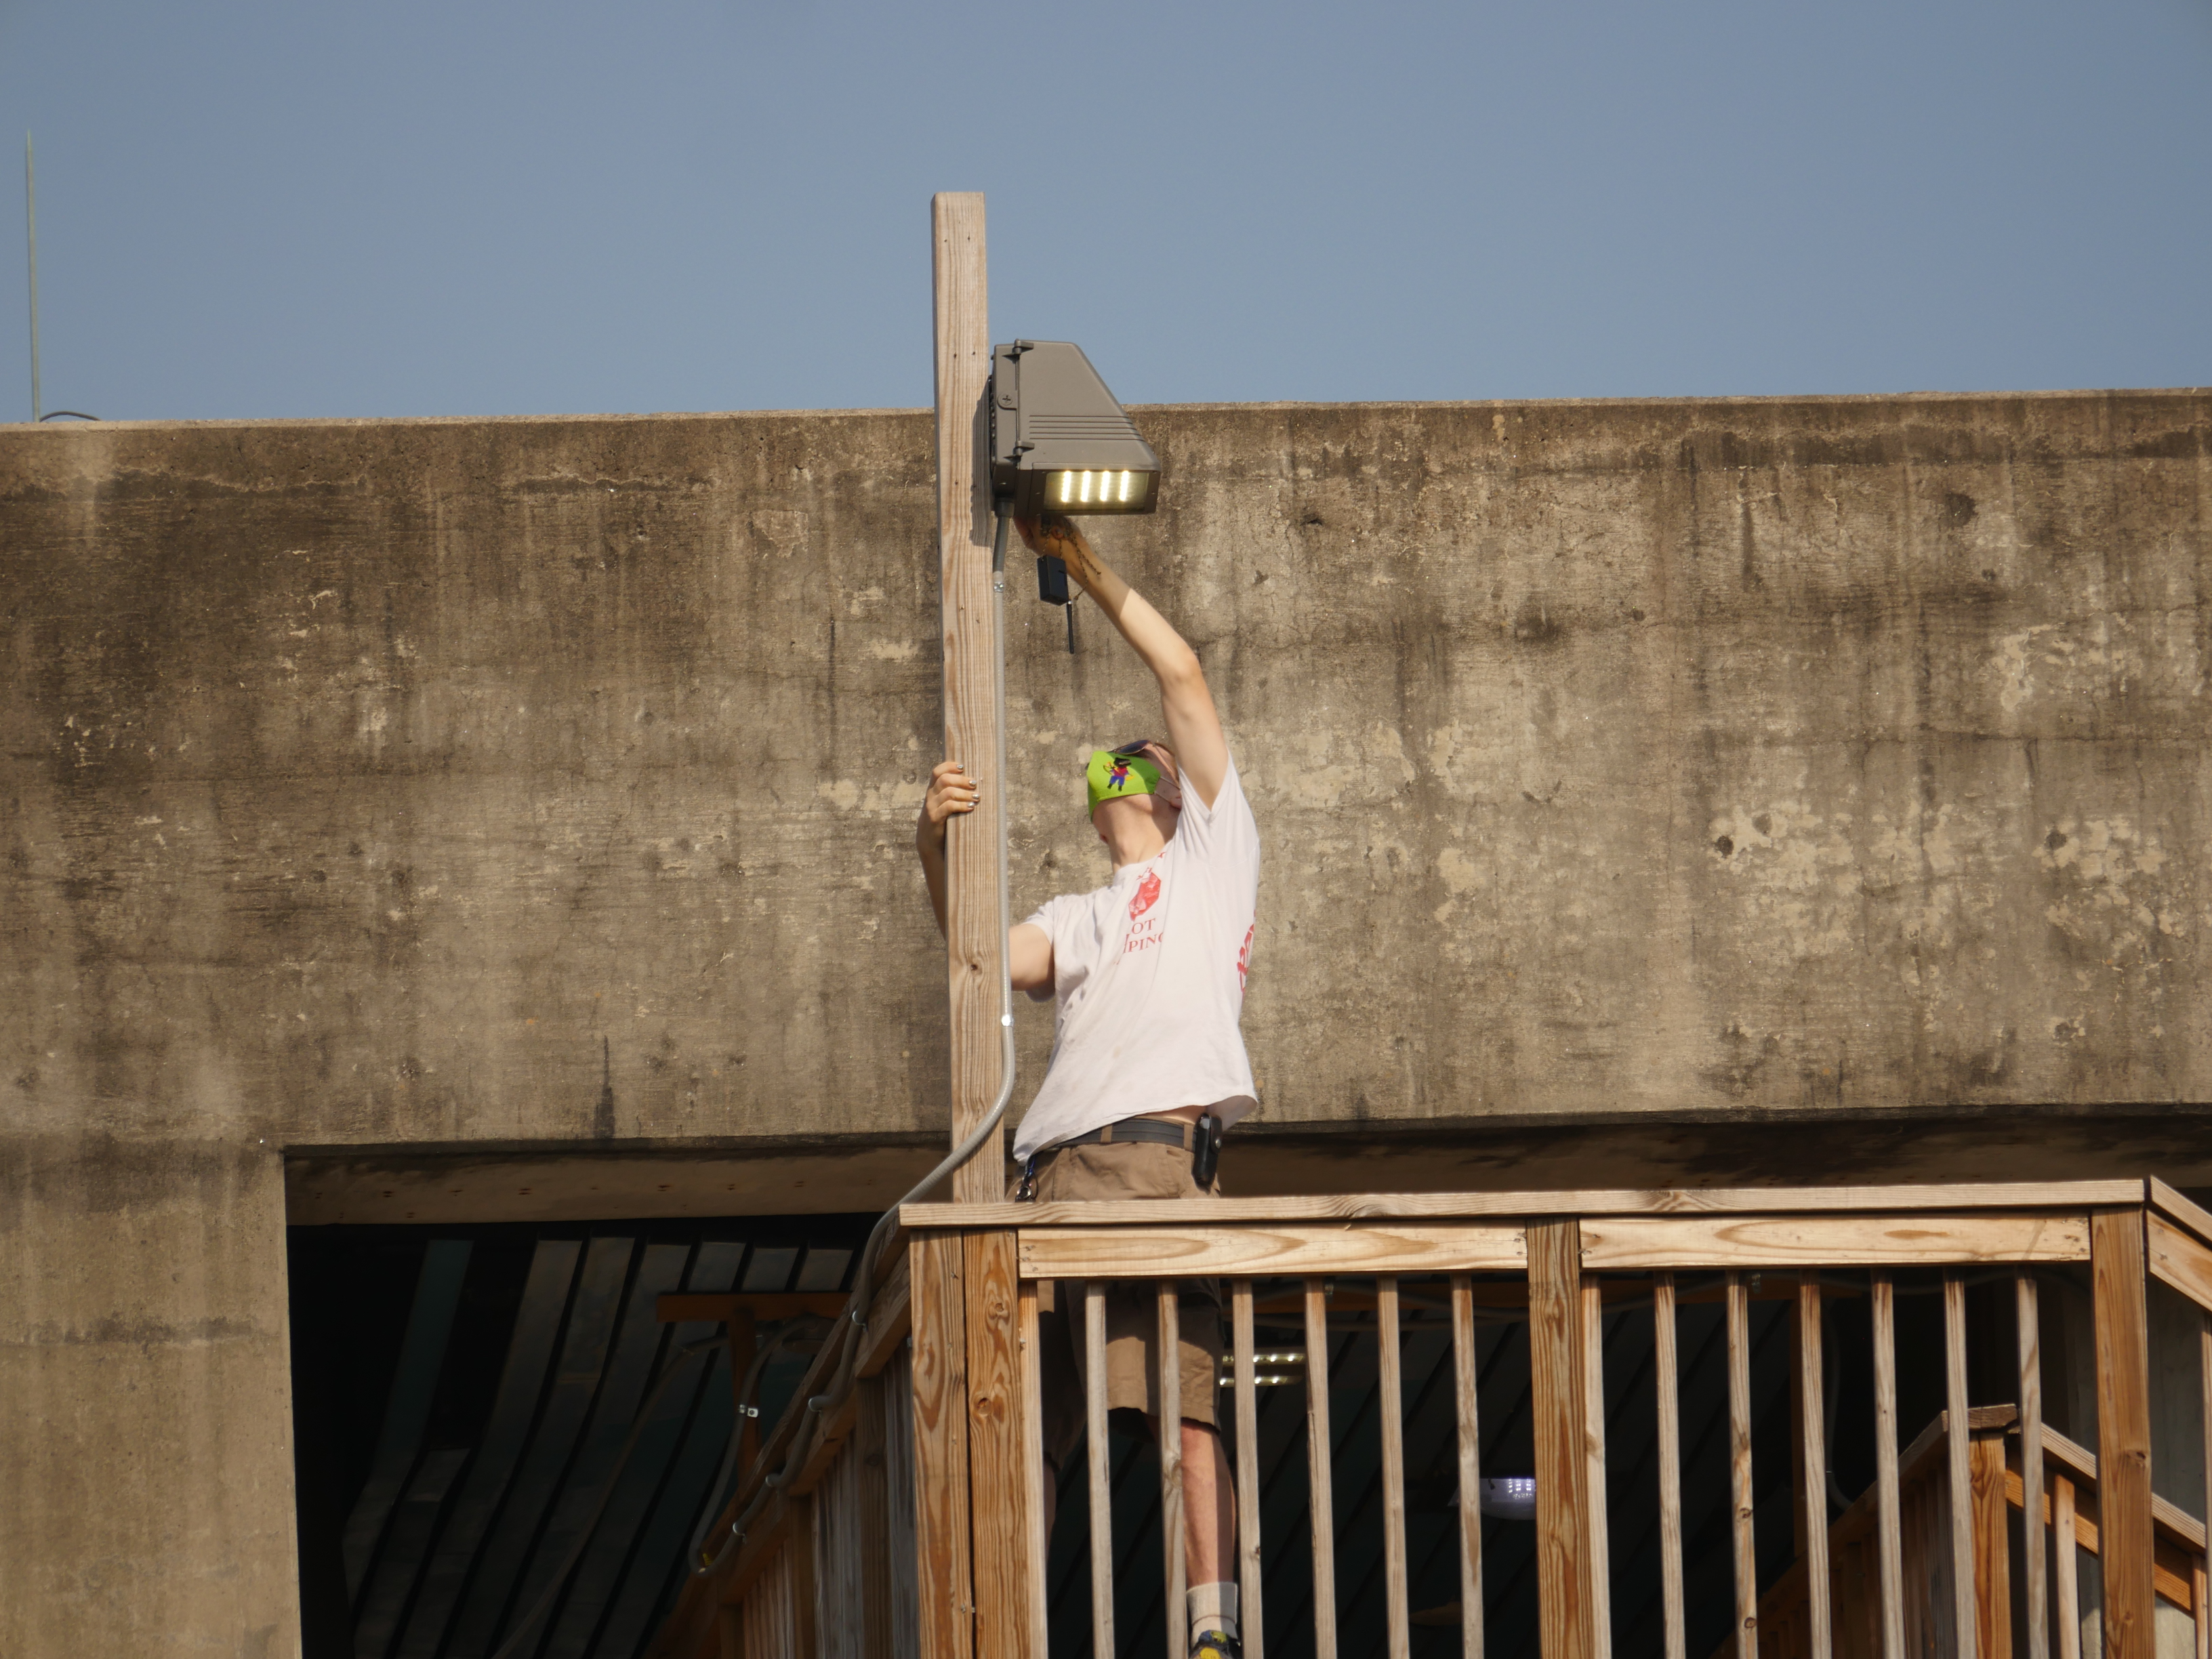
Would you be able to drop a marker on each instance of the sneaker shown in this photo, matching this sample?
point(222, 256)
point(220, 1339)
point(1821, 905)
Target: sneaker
point(1217, 1644)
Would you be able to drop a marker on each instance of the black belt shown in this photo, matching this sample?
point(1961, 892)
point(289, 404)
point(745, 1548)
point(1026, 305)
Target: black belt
point(1163, 1132)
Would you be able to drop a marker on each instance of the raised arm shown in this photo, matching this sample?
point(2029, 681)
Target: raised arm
point(951, 794)
point(1194, 726)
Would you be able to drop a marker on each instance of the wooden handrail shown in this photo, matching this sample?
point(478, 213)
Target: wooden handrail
point(1369, 1206)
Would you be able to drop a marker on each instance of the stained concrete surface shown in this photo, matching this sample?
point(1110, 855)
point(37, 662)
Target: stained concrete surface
point(373, 788)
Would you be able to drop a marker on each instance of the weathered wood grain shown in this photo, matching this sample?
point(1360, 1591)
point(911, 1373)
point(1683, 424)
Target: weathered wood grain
point(2178, 1260)
point(1744, 1554)
point(1250, 1591)
point(2124, 1494)
point(872, 1492)
point(1666, 1365)
point(2066, 1558)
point(1958, 1450)
point(800, 1541)
point(1813, 1449)
point(1289, 1250)
point(975, 922)
point(947, 1608)
point(1173, 1563)
point(1555, 1380)
point(1465, 1402)
point(1889, 1527)
point(2186, 1213)
point(1101, 1470)
point(1936, 1198)
point(1597, 1572)
point(2035, 1581)
point(1991, 1582)
point(1391, 1386)
point(1000, 1471)
point(1813, 1241)
point(2203, 1579)
point(1035, 1543)
point(1320, 1484)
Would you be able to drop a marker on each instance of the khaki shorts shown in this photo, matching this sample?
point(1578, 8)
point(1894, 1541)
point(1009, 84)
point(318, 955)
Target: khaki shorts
point(1131, 1169)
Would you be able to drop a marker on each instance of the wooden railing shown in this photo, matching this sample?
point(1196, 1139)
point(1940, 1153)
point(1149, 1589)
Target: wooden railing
point(1947, 1550)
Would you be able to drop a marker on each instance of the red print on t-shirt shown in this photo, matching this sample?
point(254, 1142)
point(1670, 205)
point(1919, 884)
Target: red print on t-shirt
point(1147, 891)
point(1244, 960)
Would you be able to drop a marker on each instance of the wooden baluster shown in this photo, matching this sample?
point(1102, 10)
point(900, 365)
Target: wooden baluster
point(2036, 1589)
point(1889, 1524)
point(1745, 1549)
point(2204, 1561)
point(1470, 1469)
point(1812, 1420)
point(1033, 1463)
point(2067, 1557)
point(1172, 1563)
point(1248, 1472)
point(1958, 1450)
point(2124, 1496)
point(1560, 1437)
point(1665, 1364)
point(1598, 1565)
point(1321, 1501)
point(946, 1611)
point(1003, 1470)
point(1102, 1490)
point(1391, 1383)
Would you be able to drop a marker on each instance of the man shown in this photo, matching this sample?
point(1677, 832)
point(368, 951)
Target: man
point(1148, 1064)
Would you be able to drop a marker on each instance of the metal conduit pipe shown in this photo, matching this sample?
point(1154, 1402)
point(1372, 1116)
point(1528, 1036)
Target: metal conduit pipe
point(854, 1322)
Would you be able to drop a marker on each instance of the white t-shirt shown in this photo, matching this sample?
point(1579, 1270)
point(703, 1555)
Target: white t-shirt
point(1150, 974)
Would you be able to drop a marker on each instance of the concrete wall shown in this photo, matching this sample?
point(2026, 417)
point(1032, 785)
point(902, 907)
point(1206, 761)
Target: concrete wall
point(525, 784)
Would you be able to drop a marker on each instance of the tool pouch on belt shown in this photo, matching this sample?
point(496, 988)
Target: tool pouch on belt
point(1206, 1150)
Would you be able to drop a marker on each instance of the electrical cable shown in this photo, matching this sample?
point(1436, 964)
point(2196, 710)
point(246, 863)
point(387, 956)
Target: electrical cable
point(853, 1320)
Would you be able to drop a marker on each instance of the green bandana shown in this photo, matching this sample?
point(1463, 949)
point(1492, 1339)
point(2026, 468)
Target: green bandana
point(1110, 775)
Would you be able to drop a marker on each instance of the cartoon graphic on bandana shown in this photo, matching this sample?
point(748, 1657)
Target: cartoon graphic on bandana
point(1119, 776)
point(1147, 891)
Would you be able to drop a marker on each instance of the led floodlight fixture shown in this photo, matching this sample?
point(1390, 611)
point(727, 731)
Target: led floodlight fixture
point(1059, 442)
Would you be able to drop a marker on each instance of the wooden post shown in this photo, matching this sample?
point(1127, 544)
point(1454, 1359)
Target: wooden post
point(1000, 1474)
point(975, 931)
point(946, 1605)
point(2123, 1517)
point(1556, 1386)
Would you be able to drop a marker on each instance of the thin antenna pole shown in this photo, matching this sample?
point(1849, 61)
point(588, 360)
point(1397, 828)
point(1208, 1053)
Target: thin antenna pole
point(31, 219)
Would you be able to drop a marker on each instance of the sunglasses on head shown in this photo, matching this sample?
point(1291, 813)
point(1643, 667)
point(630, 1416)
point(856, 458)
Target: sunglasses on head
point(1137, 747)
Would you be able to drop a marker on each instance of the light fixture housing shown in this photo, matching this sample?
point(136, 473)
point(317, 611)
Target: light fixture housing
point(1060, 443)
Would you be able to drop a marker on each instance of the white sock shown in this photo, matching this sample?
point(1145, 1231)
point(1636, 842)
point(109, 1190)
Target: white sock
point(1212, 1606)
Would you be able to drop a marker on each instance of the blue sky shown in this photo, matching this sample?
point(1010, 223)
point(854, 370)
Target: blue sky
point(261, 209)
